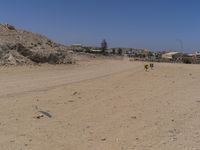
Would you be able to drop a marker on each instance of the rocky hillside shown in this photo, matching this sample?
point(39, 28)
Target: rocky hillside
point(19, 47)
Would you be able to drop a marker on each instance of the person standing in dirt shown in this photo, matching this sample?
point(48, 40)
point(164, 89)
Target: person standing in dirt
point(146, 67)
point(151, 66)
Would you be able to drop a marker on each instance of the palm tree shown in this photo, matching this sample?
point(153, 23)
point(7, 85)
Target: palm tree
point(104, 46)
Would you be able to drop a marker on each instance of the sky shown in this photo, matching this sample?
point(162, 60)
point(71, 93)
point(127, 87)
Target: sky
point(152, 24)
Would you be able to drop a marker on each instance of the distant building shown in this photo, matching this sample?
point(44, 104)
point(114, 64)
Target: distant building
point(131, 52)
point(170, 55)
point(77, 47)
point(95, 51)
point(197, 57)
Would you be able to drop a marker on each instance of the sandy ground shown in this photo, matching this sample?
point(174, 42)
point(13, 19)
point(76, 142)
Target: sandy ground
point(100, 105)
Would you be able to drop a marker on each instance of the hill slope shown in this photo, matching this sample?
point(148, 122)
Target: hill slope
point(18, 47)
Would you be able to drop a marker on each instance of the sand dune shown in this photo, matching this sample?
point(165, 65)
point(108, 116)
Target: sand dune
point(102, 105)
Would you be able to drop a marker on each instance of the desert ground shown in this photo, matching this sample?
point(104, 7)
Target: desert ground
point(100, 105)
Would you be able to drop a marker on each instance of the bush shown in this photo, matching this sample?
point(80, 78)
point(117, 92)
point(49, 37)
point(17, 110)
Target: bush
point(187, 60)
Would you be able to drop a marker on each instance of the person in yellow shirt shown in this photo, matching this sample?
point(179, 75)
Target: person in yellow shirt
point(146, 67)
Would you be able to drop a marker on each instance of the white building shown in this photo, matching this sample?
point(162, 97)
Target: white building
point(169, 55)
point(77, 47)
point(197, 57)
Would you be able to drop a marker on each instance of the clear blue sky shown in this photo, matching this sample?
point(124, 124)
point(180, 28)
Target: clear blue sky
point(152, 24)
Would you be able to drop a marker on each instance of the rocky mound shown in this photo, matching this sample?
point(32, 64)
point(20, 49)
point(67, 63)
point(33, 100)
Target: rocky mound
point(19, 47)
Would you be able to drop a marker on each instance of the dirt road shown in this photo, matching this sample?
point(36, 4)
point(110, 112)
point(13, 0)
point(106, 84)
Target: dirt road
point(103, 105)
point(27, 79)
